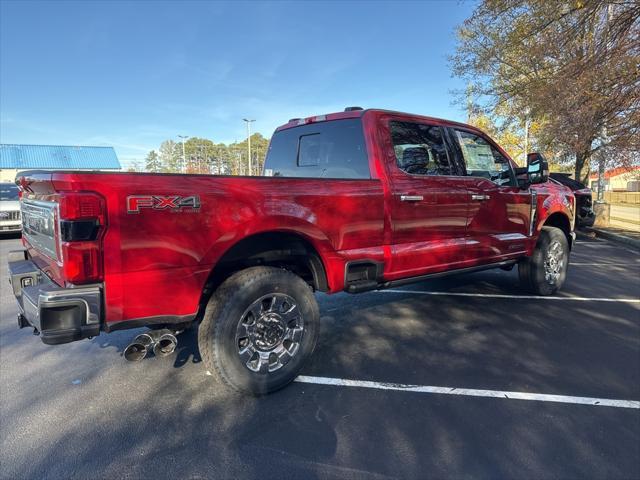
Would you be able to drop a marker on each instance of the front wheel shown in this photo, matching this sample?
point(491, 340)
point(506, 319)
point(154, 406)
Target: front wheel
point(259, 328)
point(545, 271)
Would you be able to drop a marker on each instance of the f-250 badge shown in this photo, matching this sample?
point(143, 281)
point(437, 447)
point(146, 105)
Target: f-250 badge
point(135, 203)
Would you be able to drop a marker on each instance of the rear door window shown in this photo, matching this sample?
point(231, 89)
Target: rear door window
point(334, 149)
point(419, 148)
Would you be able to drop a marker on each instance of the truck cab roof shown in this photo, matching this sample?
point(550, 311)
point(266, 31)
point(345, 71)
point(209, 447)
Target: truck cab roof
point(356, 112)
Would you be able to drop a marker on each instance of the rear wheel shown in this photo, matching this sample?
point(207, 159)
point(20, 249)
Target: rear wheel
point(259, 328)
point(545, 271)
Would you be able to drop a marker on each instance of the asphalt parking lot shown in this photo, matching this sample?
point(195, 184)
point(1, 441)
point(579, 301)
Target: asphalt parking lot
point(80, 411)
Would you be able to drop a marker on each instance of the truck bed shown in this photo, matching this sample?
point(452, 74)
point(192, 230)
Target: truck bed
point(168, 253)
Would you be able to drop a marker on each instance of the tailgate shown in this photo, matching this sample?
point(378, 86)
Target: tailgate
point(39, 222)
point(62, 229)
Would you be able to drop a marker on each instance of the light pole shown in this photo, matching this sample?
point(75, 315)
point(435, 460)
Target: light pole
point(248, 121)
point(527, 126)
point(184, 158)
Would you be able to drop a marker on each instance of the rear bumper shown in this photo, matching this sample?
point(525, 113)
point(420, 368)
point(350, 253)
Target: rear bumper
point(61, 315)
point(10, 227)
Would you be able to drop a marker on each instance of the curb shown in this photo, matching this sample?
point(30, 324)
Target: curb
point(615, 237)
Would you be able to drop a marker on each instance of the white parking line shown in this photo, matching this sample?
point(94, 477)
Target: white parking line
point(621, 248)
point(598, 245)
point(471, 392)
point(528, 297)
point(592, 256)
point(628, 264)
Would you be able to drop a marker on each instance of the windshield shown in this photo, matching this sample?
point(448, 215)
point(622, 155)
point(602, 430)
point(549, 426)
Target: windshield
point(8, 191)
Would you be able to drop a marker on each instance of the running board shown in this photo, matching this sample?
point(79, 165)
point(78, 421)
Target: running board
point(371, 285)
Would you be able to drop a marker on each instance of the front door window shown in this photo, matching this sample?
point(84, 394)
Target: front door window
point(484, 160)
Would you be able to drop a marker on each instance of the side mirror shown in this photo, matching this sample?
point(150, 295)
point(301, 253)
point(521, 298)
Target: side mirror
point(522, 176)
point(537, 168)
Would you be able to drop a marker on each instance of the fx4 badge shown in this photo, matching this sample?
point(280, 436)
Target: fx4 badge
point(161, 202)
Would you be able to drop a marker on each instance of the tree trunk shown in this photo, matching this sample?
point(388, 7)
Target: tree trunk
point(580, 159)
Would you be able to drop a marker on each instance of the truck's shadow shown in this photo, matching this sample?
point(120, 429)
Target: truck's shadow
point(187, 350)
point(157, 422)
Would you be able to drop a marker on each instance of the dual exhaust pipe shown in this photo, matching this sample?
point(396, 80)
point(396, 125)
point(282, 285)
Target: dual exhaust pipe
point(161, 342)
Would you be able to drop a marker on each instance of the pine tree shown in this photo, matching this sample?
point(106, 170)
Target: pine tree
point(170, 156)
point(153, 163)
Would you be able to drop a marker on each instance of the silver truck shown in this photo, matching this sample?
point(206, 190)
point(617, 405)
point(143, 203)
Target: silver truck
point(10, 220)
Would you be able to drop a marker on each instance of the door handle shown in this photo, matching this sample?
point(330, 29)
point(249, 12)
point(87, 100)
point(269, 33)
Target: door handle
point(411, 198)
point(480, 198)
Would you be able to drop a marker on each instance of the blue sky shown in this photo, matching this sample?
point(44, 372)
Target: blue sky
point(132, 74)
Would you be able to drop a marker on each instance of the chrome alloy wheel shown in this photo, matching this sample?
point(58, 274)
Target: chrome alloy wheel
point(554, 263)
point(269, 333)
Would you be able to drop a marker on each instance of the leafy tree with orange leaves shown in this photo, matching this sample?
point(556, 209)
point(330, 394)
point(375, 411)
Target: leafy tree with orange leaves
point(571, 67)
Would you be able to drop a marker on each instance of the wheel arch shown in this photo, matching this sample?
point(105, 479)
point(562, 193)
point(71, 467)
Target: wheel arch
point(279, 248)
point(561, 221)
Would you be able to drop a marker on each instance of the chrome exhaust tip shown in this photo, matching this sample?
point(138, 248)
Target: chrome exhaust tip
point(145, 338)
point(139, 348)
point(135, 352)
point(161, 342)
point(165, 344)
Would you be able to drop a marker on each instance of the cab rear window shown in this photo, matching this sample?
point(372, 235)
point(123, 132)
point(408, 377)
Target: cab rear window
point(334, 149)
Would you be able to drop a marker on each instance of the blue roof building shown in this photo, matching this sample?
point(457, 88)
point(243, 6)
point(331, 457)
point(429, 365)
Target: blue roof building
point(57, 157)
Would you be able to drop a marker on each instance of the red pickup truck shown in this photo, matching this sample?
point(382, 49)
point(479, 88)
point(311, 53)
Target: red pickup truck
point(349, 202)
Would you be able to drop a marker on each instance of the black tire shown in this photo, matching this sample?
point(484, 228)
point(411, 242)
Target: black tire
point(532, 273)
point(223, 319)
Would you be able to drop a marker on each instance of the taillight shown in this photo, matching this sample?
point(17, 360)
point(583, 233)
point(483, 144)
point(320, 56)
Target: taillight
point(82, 221)
point(79, 206)
point(82, 262)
